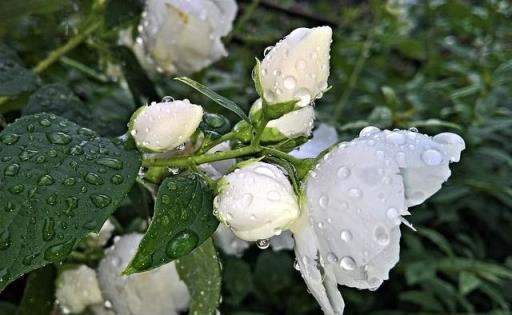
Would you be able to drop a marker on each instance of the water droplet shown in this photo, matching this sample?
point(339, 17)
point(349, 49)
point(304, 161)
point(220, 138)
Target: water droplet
point(12, 169)
point(296, 265)
point(395, 138)
point(10, 138)
point(5, 240)
point(70, 181)
point(381, 235)
point(182, 244)
point(46, 180)
point(332, 258)
point(323, 201)
point(76, 150)
point(117, 179)
point(100, 201)
point(26, 155)
point(27, 260)
point(110, 162)
point(59, 138)
point(58, 252)
point(93, 179)
point(392, 213)
point(45, 122)
point(413, 129)
point(343, 172)
point(166, 199)
point(368, 131)
point(52, 200)
point(48, 229)
point(167, 99)
point(263, 243)
point(346, 235)
point(348, 263)
point(289, 83)
point(9, 207)
point(355, 193)
point(16, 189)
point(432, 157)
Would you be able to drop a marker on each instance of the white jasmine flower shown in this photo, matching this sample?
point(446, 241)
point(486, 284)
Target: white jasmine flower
point(256, 201)
point(162, 127)
point(229, 242)
point(77, 289)
point(324, 137)
point(183, 36)
point(101, 238)
point(157, 292)
point(349, 229)
point(297, 67)
point(283, 241)
point(291, 125)
point(219, 168)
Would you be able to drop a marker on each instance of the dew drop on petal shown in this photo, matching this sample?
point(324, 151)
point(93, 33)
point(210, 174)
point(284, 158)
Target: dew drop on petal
point(263, 243)
point(348, 263)
point(432, 157)
point(346, 235)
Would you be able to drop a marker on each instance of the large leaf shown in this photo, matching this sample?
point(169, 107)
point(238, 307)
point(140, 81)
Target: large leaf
point(183, 220)
point(58, 182)
point(14, 77)
point(219, 99)
point(39, 292)
point(200, 270)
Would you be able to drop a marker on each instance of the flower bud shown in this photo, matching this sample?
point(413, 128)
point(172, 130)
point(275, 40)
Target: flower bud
point(297, 68)
point(256, 201)
point(140, 293)
point(291, 125)
point(184, 36)
point(162, 127)
point(77, 289)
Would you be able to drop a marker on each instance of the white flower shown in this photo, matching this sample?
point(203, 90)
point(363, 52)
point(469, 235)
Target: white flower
point(324, 137)
point(162, 127)
point(297, 67)
point(156, 292)
point(349, 229)
point(184, 36)
point(219, 168)
point(229, 242)
point(77, 289)
point(283, 241)
point(291, 125)
point(256, 201)
point(101, 238)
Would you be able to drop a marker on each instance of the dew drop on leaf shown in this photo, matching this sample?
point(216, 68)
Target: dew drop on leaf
point(58, 252)
point(182, 244)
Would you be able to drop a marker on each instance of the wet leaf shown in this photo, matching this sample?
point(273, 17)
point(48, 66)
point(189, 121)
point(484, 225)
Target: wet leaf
point(14, 77)
point(39, 292)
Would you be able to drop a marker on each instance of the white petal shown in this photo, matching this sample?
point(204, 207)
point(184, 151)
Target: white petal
point(284, 241)
point(228, 242)
point(319, 280)
point(141, 293)
point(77, 289)
point(354, 201)
point(324, 137)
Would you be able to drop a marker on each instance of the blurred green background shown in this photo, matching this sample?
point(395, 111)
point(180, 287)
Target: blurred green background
point(437, 65)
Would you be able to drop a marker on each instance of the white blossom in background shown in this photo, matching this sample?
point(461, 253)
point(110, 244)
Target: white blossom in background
point(229, 242)
point(76, 289)
point(324, 137)
point(157, 292)
point(291, 125)
point(355, 200)
point(101, 238)
point(162, 127)
point(256, 201)
point(297, 67)
point(219, 168)
point(183, 36)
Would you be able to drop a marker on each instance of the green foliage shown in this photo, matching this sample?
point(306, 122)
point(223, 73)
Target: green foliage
point(14, 77)
point(59, 182)
point(183, 220)
point(39, 292)
point(200, 270)
point(119, 12)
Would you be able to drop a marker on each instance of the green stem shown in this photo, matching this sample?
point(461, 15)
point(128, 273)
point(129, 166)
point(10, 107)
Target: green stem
point(184, 161)
point(100, 77)
point(61, 51)
point(232, 135)
point(259, 130)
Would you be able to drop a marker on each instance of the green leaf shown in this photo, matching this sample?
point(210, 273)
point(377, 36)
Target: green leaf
point(119, 12)
point(221, 100)
point(183, 220)
point(14, 77)
point(273, 272)
point(141, 86)
point(7, 308)
point(58, 99)
point(200, 270)
point(39, 292)
point(468, 282)
point(256, 77)
point(58, 182)
point(237, 280)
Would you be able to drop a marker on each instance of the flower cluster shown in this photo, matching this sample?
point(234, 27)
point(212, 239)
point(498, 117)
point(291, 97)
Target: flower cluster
point(345, 210)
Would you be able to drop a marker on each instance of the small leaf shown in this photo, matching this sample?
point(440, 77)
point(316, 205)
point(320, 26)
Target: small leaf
point(183, 220)
point(200, 270)
point(14, 77)
point(58, 183)
point(468, 282)
point(256, 77)
point(221, 100)
point(214, 125)
point(119, 12)
point(39, 292)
